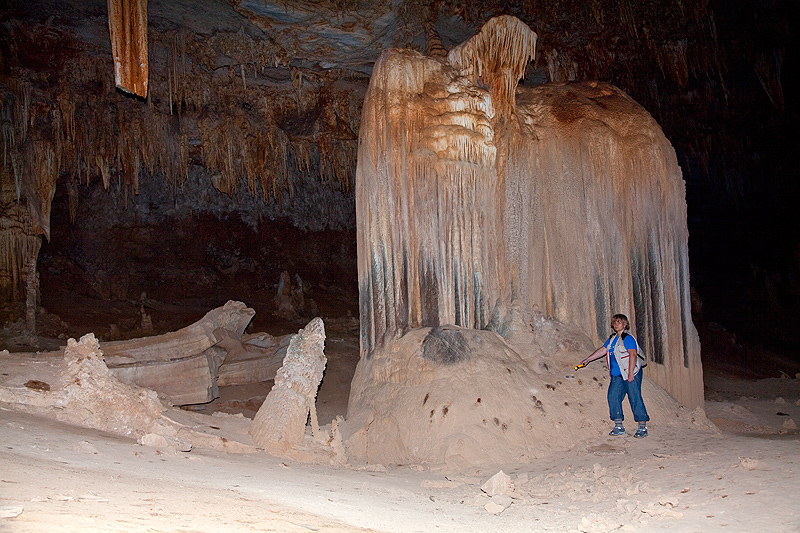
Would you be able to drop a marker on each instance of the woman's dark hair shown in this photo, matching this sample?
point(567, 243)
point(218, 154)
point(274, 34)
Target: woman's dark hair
point(620, 317)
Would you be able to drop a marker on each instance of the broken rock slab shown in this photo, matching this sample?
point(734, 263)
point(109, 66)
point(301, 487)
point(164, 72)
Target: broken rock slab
point(182, 365)
point(251, 361)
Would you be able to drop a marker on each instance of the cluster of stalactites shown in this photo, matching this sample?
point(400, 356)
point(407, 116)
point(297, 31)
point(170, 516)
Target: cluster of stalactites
point(30, 160)
point(18, 246)
point(127, 24)
point(497, 57)
point(63, 129)
point(237, 150)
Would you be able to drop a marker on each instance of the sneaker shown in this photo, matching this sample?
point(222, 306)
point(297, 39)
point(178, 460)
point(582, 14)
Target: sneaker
point(641, 432)
point(618, 430)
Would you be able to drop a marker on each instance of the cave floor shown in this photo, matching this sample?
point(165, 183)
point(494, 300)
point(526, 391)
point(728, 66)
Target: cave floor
point(57, 477)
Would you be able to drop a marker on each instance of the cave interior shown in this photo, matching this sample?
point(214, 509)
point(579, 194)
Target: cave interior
point(238, 164)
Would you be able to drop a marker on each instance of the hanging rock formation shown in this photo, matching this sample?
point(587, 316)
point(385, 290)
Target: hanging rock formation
point(127, 24)
point(472, 202)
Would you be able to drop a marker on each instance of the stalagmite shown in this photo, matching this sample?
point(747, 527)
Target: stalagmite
point(281, 421)
point(31, 289)
point(98, 399)
point(434, 47)
point(127, 24)
point(471, 204)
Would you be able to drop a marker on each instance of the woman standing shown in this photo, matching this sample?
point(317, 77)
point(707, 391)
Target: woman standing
point(626, 378)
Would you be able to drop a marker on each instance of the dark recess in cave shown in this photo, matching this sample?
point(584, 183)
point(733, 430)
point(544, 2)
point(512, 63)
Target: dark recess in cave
point(95, 270)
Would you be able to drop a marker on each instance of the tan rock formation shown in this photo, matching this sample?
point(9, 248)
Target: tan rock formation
point(183, 365)
point(460, 399)
point(281, 421)
point(474, 202)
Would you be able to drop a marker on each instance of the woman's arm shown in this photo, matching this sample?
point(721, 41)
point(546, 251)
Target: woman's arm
point(597, 354)
point(632, 355)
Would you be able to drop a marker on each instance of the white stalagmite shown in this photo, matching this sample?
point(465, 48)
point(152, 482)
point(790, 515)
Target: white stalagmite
point(281, 421)
point(472, 202)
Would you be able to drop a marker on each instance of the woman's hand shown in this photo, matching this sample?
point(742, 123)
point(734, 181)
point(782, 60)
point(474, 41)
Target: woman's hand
point(632, 355)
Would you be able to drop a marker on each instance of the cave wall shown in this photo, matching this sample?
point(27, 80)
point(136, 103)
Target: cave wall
point(166, 252)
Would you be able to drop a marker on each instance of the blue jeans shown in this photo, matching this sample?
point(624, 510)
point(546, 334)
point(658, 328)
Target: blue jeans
point(617, 390)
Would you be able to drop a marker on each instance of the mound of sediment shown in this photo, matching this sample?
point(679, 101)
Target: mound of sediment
point(461, 397)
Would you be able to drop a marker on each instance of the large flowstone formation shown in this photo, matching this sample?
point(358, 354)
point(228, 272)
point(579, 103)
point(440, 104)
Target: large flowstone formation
point(595, 224)
point(473, 202)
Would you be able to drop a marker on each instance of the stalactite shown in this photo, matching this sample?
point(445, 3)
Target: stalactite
point(177, 86)
point(336, 161)
point(66, 105)
point(18, 241)
point(105, 171)
point(127, 24)
point(23, 112)
point(9, 141)
point(628, 18)
point(39, 182)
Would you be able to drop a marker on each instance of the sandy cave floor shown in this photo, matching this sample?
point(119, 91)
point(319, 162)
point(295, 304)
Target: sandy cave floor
point(66, 478)
point(56, 477)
